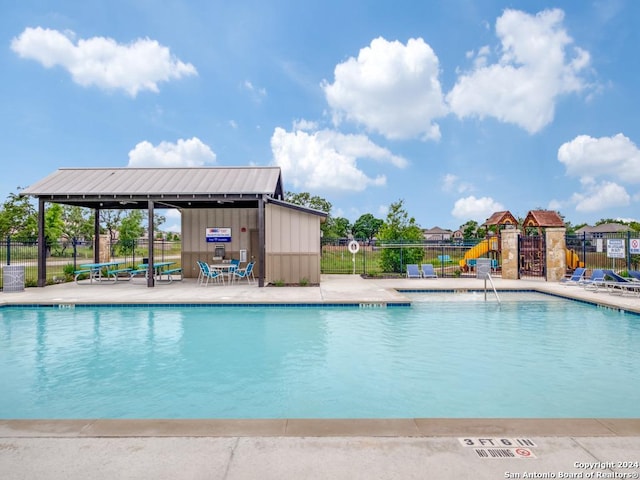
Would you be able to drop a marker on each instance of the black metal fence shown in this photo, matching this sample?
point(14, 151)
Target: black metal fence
point(378, 259)
point(63, 258)
point(617, 251)
point(451, 258)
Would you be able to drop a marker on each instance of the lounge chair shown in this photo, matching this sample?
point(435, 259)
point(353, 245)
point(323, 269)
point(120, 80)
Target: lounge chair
point(595, 281)
point(428, 271)
point(619, 284)
point(576, 277)
point(207, 274)
point(246, 272)
point(635, 274)
point(412, 271)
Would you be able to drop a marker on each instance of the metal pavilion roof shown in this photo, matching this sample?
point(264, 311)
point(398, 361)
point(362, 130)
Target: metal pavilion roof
point(134, 187)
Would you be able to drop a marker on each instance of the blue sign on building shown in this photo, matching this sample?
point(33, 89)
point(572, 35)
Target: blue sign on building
point(218, 234)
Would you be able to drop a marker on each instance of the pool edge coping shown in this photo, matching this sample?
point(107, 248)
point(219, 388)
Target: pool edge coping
point(398, 427)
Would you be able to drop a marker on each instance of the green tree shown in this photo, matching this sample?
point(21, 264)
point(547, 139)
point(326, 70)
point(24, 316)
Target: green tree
point(18, 218)
point(367, 226)
point(305, 199)
point(53, 228)
point(110, 223)
point(338, 227)
point(130, 230)
point(400, 229)
point(469, 230)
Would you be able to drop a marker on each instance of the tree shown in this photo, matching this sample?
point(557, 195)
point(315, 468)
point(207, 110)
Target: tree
point(337, 228)
point(18, 218)
point(401, 229)
point(366, 226)
point(53, 227)
point(305, 199)
point(469, 230)
point(130, 230)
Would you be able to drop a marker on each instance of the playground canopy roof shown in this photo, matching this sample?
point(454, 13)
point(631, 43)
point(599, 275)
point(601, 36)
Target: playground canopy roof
point(501, 218)
point(543, 218)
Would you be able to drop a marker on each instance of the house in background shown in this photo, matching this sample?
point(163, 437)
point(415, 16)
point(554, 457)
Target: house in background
point(604, 228)
point(436, 234)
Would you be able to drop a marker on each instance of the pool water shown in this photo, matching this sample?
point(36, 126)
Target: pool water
point(451, 355)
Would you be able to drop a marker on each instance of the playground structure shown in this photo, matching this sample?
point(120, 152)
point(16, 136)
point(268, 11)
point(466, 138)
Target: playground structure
point(531, 249)
point(489, 247)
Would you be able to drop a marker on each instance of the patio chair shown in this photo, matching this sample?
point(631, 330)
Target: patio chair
point(428, 271)
point(207, 274)
point(576, 277)
point(246, 272)
point(412, 271)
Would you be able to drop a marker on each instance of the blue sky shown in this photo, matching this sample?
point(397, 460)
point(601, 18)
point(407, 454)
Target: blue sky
point(458, 107)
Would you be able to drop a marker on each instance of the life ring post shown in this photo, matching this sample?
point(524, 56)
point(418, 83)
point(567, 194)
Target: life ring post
point(353, 247)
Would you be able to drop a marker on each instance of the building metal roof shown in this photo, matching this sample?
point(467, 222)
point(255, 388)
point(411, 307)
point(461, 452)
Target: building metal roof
point(180, 187)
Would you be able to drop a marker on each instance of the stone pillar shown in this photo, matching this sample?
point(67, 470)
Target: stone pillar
point(510, 263)
point(556, 253)
point(104, 254)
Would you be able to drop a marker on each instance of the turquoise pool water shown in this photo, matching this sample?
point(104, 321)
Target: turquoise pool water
point(450, 355)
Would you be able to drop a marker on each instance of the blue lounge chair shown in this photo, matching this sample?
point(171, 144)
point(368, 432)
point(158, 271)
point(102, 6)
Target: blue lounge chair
point(619, 284)
point(576, 277)
point(635, 274)
point(246, 272)
point(595, 281)
point(207, 274)
point(428, 271)
point(412, 271)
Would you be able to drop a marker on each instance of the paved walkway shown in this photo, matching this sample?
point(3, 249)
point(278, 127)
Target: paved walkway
point(314, 449)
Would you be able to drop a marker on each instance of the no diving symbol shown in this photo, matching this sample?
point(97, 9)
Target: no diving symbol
point(634, 245)
point(523, 452)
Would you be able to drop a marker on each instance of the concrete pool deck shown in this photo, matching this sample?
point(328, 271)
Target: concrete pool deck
point(312, 448)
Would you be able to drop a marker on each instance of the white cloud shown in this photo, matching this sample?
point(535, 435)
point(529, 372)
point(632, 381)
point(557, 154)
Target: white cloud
point(452, 183)
point(600, 196)
point(535, 68)
point(257, 93)
point(306, 125)
point(614, 157)
point(328, 160)
point(184, 153)
point(391, 88)
point(478, 209)
point(101, 61)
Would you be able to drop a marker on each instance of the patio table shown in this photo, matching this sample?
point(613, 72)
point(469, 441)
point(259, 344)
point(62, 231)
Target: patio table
point(95, 271)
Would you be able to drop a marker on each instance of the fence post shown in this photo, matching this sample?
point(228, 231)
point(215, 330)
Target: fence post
point(8, 249)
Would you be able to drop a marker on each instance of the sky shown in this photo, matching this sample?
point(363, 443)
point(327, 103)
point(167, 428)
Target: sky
point(458, 108)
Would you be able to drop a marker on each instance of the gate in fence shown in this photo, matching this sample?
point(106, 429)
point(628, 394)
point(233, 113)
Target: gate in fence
point(531, 255)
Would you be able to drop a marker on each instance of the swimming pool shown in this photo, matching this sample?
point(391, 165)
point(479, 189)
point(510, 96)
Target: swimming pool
point(449, 355)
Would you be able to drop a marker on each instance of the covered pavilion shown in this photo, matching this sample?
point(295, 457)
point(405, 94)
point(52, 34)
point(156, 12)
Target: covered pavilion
point(248, 201)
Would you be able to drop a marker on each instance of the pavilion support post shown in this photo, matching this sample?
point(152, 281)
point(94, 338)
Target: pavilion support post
point(261, 238)
point(42, 245)
point(96, 235)
point(151, 228)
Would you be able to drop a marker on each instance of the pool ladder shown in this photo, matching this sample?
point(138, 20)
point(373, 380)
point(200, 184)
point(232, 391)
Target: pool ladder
point(488, 276)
